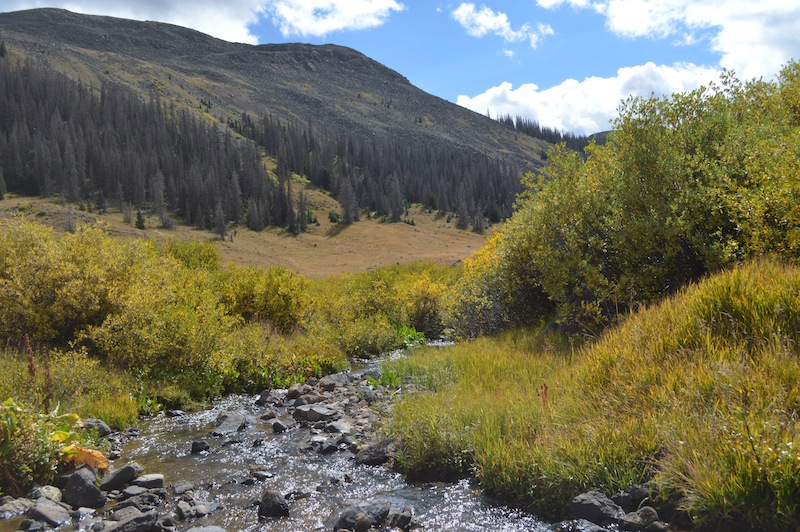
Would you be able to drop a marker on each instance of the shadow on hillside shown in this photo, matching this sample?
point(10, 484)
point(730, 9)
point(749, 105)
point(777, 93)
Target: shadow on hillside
point(336, 230)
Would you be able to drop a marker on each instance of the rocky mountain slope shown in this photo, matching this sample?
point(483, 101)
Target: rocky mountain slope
point(332, 88)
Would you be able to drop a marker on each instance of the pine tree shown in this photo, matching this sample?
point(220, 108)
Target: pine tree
point(2, 48)
point(220, 227)
point(139, 220)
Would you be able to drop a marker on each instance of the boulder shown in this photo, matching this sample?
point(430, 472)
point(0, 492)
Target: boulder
point(273, 504)
point(309, 399)
point(639, 519)
point(15, 507)
point(141, 522)
point(297, 389)
point(315, 412)
point(632, 498)
point(151, 481)
point(119, 478)
point(182, 486)
point(596, 508)
point(229, 423)
point(48, 492)
point(377, 453)
point(279, 427)
point(339, 427)
point(99, 425)
point(200, 447)
point(51, 513)
point(81, 489)
point(380, 512)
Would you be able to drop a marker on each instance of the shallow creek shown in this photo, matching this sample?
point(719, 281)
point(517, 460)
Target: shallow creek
point(320, 486)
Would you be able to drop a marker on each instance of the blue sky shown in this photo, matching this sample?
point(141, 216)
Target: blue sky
point(565, 63)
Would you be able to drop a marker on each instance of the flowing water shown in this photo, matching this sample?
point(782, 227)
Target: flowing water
point(320, 485)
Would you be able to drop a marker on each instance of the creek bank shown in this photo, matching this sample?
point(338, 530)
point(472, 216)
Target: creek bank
point(304, 458)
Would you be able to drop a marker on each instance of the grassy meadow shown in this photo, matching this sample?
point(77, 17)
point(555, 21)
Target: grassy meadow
point(699, 394)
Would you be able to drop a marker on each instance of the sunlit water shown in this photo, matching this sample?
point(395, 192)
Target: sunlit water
point(324, 484)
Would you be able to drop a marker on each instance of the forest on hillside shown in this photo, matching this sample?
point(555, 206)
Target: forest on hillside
point(95, 145)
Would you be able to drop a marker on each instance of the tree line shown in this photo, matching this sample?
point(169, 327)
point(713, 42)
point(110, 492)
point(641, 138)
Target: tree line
point(59, 136)
point(533, 129)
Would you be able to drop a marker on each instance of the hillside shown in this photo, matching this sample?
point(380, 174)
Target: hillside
point(333, 88)
point(325, 249)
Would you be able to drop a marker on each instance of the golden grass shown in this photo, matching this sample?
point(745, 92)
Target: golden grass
point(325, 250)
point(700, 394)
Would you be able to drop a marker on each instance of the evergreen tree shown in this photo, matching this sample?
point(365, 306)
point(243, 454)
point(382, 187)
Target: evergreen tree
point(2, 184)
point(220, 227)
point(302, 213)
point(2, 48)
point(139, 220)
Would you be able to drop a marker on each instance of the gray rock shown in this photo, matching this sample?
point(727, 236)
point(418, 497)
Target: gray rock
point(99, 425)
point(48, 492)
point(378, 453)
point(596, 508)
point(640, 519)
point(308, 399)
point(339, 427)
point(119, 478)
point(175, 413)
point(206, 529)
point(81, 489)
point(125, 512)
point(143, 522)
point(362, 523)
point(229, 423)
point(184, 510)
point(49, 512)
point(268, 415)
point(632, 498)
point(151, 481)
point(379, 512)
point(180, 487)
point(15, 507)
point(297, 389)
point(273, 504)
point(133, 491)
point(200, 447)
point(279, 427)
point(315, 412)
point(400, 516)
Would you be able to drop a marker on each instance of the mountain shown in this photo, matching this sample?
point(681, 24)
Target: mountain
point(334, 89)
point(327, 115)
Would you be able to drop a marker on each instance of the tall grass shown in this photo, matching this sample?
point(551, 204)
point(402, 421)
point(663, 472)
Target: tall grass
point(700, 394)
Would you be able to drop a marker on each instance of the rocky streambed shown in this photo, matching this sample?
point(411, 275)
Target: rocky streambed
point(303, 459)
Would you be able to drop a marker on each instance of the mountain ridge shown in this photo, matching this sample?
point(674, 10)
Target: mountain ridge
point(338, 89)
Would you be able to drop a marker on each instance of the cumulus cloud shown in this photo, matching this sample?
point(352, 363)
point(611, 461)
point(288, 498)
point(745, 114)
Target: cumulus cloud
point(321, 17)
point(231, 20)
point(479, 22)
point(228, 20)
point(754, 39)
point(588, 106)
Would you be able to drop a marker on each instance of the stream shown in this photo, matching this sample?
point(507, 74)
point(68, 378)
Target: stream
point(318, 485)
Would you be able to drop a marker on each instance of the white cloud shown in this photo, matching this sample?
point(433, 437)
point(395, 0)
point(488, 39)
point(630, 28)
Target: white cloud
point(231, 20)
point(754, 39)
point(479, 22)
point(321, 17)
point(587, 106)
point(228, 20)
